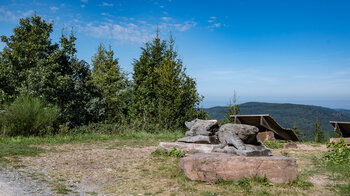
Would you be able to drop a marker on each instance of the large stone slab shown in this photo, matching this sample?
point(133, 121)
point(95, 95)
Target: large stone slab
point(189, 148)
point(213, 166)
point(201, 139)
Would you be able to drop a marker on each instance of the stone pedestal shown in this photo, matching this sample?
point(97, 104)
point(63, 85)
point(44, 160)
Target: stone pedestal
point(214, 166)
point(266, 136)
point(189, 148)
point(346, 139)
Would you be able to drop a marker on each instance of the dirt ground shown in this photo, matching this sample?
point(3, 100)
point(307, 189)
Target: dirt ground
point(107, 168)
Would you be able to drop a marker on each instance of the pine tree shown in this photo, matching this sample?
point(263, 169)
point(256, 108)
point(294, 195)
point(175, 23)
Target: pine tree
point(297, 130)
point(318, 132)
point(163, 93)
point(232, 109)
point(109, 79)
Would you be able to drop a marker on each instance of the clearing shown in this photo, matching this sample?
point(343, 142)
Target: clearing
point(127, 166)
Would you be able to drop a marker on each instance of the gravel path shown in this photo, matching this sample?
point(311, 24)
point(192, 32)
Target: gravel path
point(7, 189)
point(15, 182)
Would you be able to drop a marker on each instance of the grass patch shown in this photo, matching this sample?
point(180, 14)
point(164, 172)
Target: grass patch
point(14, 150)
point(60, 188)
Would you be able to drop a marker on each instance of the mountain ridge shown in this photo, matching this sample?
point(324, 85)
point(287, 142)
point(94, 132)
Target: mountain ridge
point(288, 114)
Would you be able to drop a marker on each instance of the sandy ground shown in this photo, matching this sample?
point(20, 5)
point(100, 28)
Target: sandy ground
point(108, 168)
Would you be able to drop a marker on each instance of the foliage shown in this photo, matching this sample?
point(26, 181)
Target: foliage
point(273, 144)
point(111, 82)
point(162, 92)
point(32, 64)
point(245, 184)
point(172, 153)
point(28, 116)
point(176, 153)
point(232, 109)
point(338, 153)
point(318, 132)
point(297, 131)
point(300, 182)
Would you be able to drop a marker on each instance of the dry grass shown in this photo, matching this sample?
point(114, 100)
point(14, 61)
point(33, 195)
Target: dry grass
point(127, 167)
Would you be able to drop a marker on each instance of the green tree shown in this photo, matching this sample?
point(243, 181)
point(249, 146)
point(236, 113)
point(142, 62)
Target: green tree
point(109, 79)
point(51, 71)
point(24, 50)
point(232, 109)
point(163, 93)
point(297, 130)
point(318, 131)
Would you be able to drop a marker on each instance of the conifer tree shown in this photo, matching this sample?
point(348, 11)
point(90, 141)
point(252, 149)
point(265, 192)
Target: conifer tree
point(163, 93)
point(108, 78)
point(318, 131)
point(232, 109)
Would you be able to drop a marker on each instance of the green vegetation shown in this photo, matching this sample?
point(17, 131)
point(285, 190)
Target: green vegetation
point(273, 144)
point(232, 109)
point(318, 132)
point(288, 115)
point(31, 64)
point(163, 94)
point(28, 116)
point(14, 150)
point(172, 153)
point(339, 153)
point(112, 83)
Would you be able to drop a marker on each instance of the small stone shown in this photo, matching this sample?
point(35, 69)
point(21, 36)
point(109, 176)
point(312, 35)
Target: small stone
point(266, 136)
point(213, 166)
point(290, 145)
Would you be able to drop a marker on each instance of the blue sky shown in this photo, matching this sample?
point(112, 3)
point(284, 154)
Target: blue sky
point(266, 50)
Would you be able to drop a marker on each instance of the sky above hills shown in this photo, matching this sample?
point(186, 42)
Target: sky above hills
point(287, 51)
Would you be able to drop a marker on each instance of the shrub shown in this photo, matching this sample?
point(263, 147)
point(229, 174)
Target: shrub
point(273, 144)
point(339, 153)
point(28, 116)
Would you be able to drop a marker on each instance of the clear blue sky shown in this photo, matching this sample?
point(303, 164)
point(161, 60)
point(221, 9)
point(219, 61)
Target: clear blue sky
point(269, 51)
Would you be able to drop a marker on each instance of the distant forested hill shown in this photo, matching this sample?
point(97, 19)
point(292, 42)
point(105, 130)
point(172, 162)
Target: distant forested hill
point(343, 111)
point(287, 114)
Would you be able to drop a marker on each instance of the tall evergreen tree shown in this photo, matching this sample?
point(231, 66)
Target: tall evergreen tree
point(109, 79)
point(232, 109)
point(318, 131)
point(163, 93)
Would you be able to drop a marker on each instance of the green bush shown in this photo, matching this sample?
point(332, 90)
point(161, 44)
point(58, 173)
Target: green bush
point(28, 116)
point(339, 153)
point(273, 144)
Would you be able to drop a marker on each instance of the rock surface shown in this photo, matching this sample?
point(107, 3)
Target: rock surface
point(189, 148)
point(346, 139)
point(202, 127)
point(201, 139)
point(213, 166)
point(201, 131)
point(241, 139)
point(266, 136)
point(250, 150)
